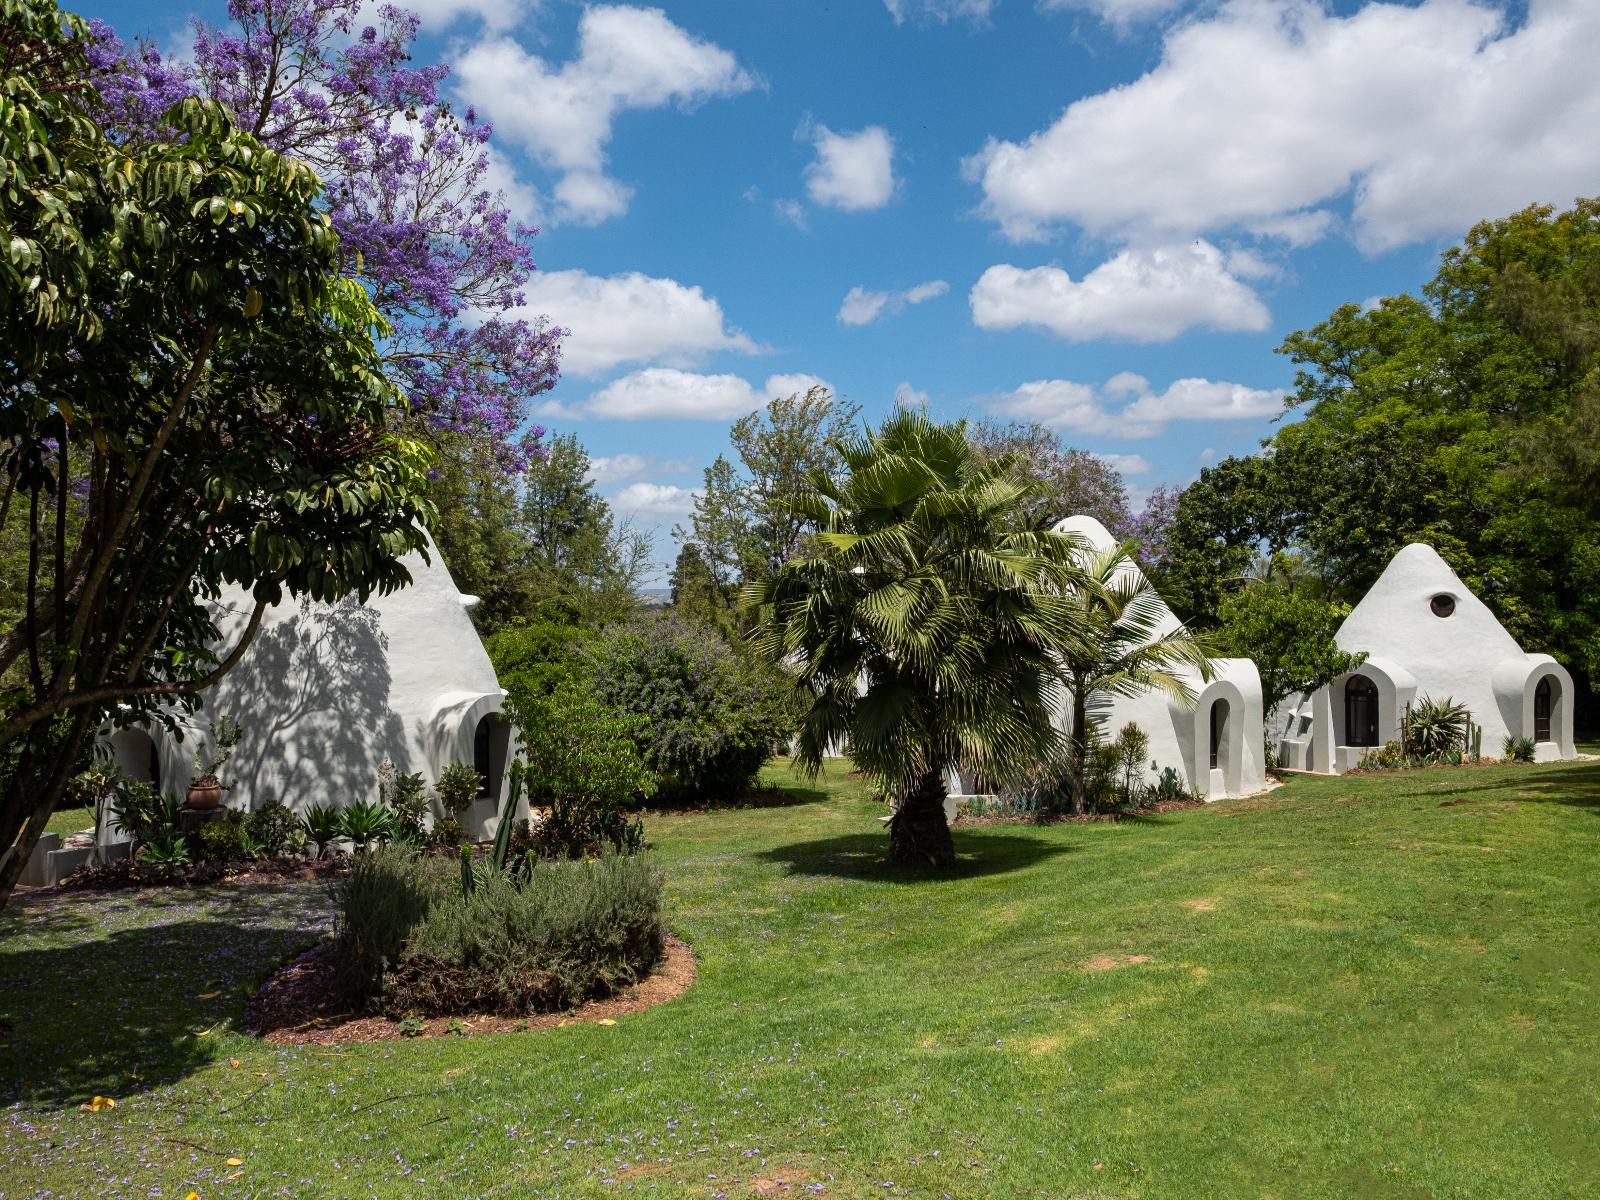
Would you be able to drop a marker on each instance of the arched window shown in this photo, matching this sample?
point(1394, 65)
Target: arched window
point(1543, 695)
point(1360, 712)
point(1219, 730)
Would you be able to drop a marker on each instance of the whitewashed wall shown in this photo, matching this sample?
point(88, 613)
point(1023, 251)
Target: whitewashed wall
point(327, 691)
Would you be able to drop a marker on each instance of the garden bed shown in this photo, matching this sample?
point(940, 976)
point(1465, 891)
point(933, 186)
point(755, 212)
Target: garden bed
point(966, 820)
point(125, 873)
point(299, 1005)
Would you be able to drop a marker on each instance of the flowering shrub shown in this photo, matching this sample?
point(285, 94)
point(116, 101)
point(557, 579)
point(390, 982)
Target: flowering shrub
point(704, 717)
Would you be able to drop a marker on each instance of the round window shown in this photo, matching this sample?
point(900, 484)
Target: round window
point(1442, 604)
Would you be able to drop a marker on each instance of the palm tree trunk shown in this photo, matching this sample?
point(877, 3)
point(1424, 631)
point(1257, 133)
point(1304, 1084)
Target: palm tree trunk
point(1080, 747)
point(918, 831)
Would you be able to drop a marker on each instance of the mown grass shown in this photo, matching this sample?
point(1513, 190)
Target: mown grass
point(1382, 986)
point(70, 820)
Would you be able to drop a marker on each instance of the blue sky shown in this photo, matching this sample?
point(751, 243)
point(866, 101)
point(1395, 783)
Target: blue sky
point(1101, 214)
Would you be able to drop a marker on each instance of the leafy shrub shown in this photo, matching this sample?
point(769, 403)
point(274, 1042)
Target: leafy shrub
point(535, 660)
point(407, 795)
point(457, 787)
point(275, 830)
point(1131, 745)
point(410, 939)
point(225, 733)
point(143, 813)
point(1435, 730)
point(222, 838)
point(704, 716)
point(387, 894)
point(1518, 749)
point(324, 825)
point(364, 822)
point(583, 768)
point(1387, 758)
point(1168, 787)
point(447, 831)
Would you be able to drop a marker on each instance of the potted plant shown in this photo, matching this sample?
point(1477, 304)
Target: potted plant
point(205, 789)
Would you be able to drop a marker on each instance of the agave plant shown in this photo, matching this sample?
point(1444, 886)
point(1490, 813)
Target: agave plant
point(324, 825)
point(1436, 730)
point(365, 822)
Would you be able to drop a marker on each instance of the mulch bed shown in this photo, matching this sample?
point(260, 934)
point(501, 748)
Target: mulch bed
point(297, 1006)
point(1131, 814)
point(125, 873)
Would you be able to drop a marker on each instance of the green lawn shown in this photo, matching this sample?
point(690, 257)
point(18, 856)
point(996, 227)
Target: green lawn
point(1351, 989)
point(70, 820)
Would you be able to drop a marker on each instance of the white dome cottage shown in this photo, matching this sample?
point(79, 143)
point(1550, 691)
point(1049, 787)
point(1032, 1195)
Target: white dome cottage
point(1426, 634)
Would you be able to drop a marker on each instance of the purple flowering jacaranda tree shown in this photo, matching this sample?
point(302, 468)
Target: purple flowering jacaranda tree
point(408, 190)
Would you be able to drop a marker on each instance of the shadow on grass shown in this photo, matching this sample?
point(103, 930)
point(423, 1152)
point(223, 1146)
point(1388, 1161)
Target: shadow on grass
point(785, 796)
point(1574, 784)
point(862, 856)
point(89, 1013)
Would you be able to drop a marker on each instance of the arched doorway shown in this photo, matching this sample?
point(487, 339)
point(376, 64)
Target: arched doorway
point(1360, 711)
point(490, 741)
point(1543, 705)
point(135, 753)
point(1219, 733)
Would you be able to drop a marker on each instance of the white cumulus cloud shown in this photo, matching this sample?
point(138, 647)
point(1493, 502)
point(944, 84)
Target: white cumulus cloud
point(852, 171)
point(616, 319)
point(937, 10)
point(1127, 406)
point(627, 58)
point(665, 392)
point(907, 396)
point(1127, 464)
point(1422, 117)
point(1143, 294)
point(862, 306)
point(495, 14)
point(1118, 13)
point(653, 499)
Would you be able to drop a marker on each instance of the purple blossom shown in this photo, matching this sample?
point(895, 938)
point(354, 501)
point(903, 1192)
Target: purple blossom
point(442, 255)
point(1152, 528)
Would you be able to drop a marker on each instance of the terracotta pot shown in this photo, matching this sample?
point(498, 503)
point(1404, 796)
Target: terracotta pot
point(204, 794)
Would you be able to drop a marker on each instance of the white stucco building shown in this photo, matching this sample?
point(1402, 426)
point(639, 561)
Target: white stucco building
point(1426, 635)
point(1217, 744)
point(327, 692)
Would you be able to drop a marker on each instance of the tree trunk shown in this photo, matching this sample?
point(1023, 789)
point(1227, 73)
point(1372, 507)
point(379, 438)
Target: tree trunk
point(918, 831)
point(1079, 748)
point(31, 786)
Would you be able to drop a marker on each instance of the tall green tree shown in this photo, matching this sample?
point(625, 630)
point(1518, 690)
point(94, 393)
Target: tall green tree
point(545, 545)
point(746, 520)
point(923, 620)
point(1125, 643)
point(1068, 480)
point(1465, 417)
point(1288, 632)
point(185, 365)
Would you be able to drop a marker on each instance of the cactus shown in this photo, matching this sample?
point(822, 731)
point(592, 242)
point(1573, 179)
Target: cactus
point(1477, 742)
point(502, 832)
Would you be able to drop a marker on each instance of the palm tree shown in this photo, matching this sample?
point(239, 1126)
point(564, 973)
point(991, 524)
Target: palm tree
point(922, 620)
point(1130, 643)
